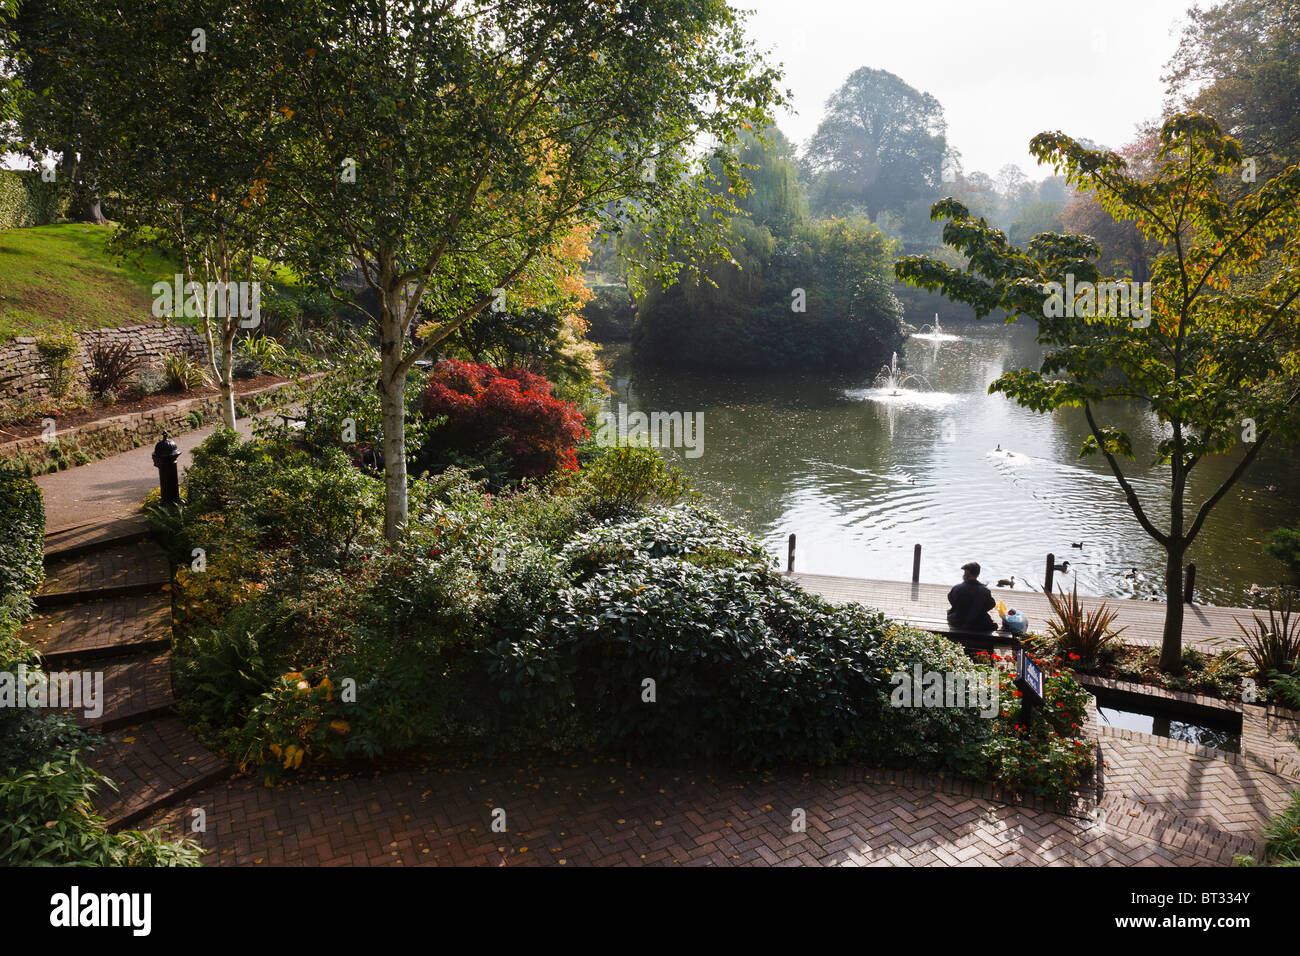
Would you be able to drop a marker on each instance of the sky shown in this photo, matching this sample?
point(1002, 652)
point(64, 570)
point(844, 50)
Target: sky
point(1003, 70)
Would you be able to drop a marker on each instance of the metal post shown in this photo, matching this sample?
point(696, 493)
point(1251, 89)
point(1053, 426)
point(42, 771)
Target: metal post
point(1051, 570)
point(789, 561)
point(916, 564)
point(1189, 583)
point(165, 456)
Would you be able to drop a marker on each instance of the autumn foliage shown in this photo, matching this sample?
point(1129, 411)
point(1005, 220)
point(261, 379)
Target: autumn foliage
point(485, 405)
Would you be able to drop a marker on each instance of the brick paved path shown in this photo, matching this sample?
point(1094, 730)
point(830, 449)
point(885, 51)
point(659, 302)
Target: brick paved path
point(606, 814)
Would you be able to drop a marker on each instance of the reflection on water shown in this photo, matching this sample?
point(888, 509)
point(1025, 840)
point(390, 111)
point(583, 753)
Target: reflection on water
point(861, 477)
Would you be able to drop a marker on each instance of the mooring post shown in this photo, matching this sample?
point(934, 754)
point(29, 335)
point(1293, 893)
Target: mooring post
point(916, 564)
point(1189, 583)
point(789, 560)
point(1051, 569)
point(165, 454)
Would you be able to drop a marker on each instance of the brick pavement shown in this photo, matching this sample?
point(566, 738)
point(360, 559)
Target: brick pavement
point(605, 813)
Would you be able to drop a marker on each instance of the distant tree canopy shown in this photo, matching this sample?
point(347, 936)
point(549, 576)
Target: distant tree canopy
point(1239, 62)
point(796, 294)
point(881, 144)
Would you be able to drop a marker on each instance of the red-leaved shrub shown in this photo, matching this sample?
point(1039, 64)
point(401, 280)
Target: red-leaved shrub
point(484, 404)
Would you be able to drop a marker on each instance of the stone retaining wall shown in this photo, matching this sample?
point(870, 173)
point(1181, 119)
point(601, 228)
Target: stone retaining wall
point(108, 436)
point(22, 377)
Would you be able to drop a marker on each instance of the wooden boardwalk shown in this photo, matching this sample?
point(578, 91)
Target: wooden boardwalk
point(1206, 628)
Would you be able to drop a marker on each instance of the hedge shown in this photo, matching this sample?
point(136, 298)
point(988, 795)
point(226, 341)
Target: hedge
point(26, 200)
point(22, 535)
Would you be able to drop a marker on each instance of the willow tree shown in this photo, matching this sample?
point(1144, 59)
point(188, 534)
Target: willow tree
point(1216, 359)
point(443, 149)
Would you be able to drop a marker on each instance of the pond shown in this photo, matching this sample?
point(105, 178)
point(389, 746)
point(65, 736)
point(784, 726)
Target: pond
point(862, 469)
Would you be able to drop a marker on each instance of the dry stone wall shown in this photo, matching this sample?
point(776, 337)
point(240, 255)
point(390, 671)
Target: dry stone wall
point(22, 377)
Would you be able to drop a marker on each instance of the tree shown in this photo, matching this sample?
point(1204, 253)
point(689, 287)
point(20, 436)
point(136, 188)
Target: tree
point(445, 149)
point(880, 144)
point(1239, 61)
point(1215, 357)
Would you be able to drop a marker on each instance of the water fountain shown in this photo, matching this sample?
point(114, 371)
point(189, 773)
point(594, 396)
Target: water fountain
point(894, 384)
point(935, 333)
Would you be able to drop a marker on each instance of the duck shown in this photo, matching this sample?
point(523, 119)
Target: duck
point(1076, 544)
point(1007, 582)
point(1131, 574)
point(1272, 487)
point(1256, 590)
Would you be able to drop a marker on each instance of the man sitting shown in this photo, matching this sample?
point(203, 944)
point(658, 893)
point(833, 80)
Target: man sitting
point(970, 602)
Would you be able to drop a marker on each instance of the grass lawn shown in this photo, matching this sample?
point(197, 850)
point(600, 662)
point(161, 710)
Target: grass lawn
point(62, 277)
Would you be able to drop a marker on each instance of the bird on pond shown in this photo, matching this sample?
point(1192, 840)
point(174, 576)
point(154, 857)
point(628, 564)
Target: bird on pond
point(1256, 590)
point(1076, 544)
point(1272, 487)
point(1131, 574)
point(1007, 582)
point(999, 448)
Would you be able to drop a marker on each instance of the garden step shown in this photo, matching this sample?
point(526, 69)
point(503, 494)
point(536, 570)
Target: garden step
point(154, 765)
point(135, 689)
point(95, 630)
point(95, 536)
point(116, 571)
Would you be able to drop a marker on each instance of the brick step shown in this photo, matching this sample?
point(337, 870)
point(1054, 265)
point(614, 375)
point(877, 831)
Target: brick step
point(94, 630)
point(120, 570)
point(135, 689)
point(95, 536)
point(154, 765)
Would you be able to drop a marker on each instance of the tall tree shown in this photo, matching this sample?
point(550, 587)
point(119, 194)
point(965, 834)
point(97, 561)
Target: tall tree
point(445, 148)
point(880, 144)
point(1216, 359)
point(1239, 61)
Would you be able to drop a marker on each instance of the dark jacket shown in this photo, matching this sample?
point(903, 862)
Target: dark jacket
point(971, 602)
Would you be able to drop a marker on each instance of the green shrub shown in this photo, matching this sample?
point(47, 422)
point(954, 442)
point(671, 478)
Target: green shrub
point(58, 359)
point(27, 200)
point(1282, 835)
point(22, 535)
point(1284, 544)
point(183, 373)
point(624, 479)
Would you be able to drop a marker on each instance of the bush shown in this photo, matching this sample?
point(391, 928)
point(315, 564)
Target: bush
point(27, 200)
point(109, 365)
point(183, 373)
point(1284, 544)
point(626, 478)
point(22, 535)
point(513, 410)
point(1275, 645)
point(1078, 633)
point(150, 381)
point(58, 359)
point(610, 313)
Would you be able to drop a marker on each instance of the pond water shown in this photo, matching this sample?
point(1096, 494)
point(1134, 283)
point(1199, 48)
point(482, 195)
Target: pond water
point(862, 469)
point(1220, 732)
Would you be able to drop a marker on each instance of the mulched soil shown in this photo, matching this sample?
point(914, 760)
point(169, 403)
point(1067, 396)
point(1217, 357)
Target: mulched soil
point(92, 413)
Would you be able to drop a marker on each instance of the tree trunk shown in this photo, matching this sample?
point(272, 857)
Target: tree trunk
point(1171, 647)
point(227, 380)
point(392, 390)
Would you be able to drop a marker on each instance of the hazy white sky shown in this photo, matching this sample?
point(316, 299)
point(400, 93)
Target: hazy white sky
point(1003, 70)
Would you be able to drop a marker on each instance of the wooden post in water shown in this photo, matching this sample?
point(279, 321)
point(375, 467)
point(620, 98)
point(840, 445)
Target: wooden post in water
point(1051, 570)
point(1189, 583)
point(916, 564)
point(789, 561)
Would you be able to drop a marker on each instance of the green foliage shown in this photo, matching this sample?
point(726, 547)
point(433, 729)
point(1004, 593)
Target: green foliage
point(625, 478)
point(1080, 634)
point(1282, 835)
point(183, 373)
point(25, 200)
point(1274, 645)
point(744, 315)
point(609, 314)
point(1284, 544)
point(58, 359)
point(22, 535)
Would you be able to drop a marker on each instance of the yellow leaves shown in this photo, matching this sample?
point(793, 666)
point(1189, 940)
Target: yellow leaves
point(311, 52)
point(340, 726)
point(287, 112)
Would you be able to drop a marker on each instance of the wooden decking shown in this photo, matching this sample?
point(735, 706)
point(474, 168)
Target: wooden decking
point(1205, 628)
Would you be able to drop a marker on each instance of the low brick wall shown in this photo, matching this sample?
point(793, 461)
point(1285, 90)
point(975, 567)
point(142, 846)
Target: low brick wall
point(108, 436)
point(22, 377)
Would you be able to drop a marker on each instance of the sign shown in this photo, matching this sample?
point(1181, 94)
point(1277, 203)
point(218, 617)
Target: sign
point(1029, 677)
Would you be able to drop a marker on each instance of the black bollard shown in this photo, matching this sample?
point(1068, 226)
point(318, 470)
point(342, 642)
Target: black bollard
point(1051, 570)
point(789, 561)
point(165, 456)
point(1189, 584)
point(916, 564)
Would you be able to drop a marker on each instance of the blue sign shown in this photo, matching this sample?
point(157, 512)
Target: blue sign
point(1030, 677)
